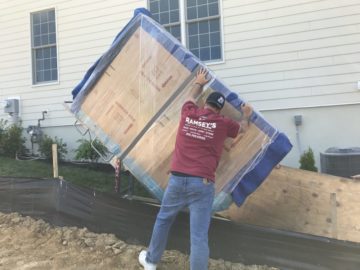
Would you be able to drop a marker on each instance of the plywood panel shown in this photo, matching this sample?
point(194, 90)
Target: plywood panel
point(306, 202)
point(158, 144)
point(135, 85)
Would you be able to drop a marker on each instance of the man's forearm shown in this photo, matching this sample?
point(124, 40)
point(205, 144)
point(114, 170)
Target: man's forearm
point(247, 111)
point(244, 126)
point(195, 91)
point(200, 81)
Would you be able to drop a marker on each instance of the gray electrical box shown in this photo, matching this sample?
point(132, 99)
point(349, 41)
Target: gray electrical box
point(298, 120)
point(11, 106)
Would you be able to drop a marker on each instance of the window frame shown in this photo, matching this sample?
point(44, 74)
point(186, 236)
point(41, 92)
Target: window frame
point(184, 22)
point(34, 48)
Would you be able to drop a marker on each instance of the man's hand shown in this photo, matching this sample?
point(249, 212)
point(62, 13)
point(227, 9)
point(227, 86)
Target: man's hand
point(247, 111)
point(200, 81)
point(201, 77)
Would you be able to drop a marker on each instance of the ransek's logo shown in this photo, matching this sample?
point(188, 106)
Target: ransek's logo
point(200, 123)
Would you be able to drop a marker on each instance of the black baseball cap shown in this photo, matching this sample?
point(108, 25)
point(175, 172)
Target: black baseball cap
point(216, 99)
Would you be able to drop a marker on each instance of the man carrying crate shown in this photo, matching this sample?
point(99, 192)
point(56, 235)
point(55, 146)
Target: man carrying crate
point(199, 143)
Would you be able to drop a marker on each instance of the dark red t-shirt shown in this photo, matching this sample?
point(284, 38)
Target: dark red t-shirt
point(200, 140)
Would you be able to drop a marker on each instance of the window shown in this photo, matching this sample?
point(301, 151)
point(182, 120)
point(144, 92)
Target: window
point(167, 13)
point(201, 20)
point(44, 57)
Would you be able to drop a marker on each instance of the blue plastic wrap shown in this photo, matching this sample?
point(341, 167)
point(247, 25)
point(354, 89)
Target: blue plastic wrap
point(265, 145)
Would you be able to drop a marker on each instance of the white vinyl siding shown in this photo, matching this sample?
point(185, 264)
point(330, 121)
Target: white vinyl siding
point(285, 53)
point(278, 54)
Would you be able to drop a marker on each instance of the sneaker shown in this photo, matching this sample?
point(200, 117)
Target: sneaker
point(144, 263)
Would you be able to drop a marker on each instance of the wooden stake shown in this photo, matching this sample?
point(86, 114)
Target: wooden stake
point(333, 215)
point(55, 161)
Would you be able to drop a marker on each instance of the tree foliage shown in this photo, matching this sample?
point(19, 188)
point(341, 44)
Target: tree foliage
point(85, 151)
point(45, 147)
point(307, 161)
point(12, 142)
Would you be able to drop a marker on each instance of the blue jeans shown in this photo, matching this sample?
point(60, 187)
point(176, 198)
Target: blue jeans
point(184, 192)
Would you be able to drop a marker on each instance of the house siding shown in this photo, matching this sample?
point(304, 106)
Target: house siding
point(85, 29)
point(284, 54)
point(286, 57)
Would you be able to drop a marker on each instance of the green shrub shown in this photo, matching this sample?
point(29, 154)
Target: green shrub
point(11, 141)
point(307, 161)
point(3, 124)
point(45, 147)
point(86, 152)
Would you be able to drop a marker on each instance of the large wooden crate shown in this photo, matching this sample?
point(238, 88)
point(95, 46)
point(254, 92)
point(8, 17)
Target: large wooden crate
point(132, 102)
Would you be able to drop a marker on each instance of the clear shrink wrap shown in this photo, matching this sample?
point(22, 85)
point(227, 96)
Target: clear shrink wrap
point(131, 100)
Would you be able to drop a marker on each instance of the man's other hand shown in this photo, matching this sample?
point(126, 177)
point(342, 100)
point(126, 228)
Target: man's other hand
point(201, 77)
point(247, 110)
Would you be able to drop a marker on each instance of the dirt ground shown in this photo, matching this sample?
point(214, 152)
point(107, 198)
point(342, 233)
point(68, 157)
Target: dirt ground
point(26, 243)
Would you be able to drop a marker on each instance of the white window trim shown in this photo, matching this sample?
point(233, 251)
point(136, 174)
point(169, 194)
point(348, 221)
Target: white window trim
point(40, 84)
point(222, 36)
point(183, 23)
point(183, 31)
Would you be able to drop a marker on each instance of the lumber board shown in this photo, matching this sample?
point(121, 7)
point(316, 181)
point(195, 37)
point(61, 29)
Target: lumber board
point(306, 202)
